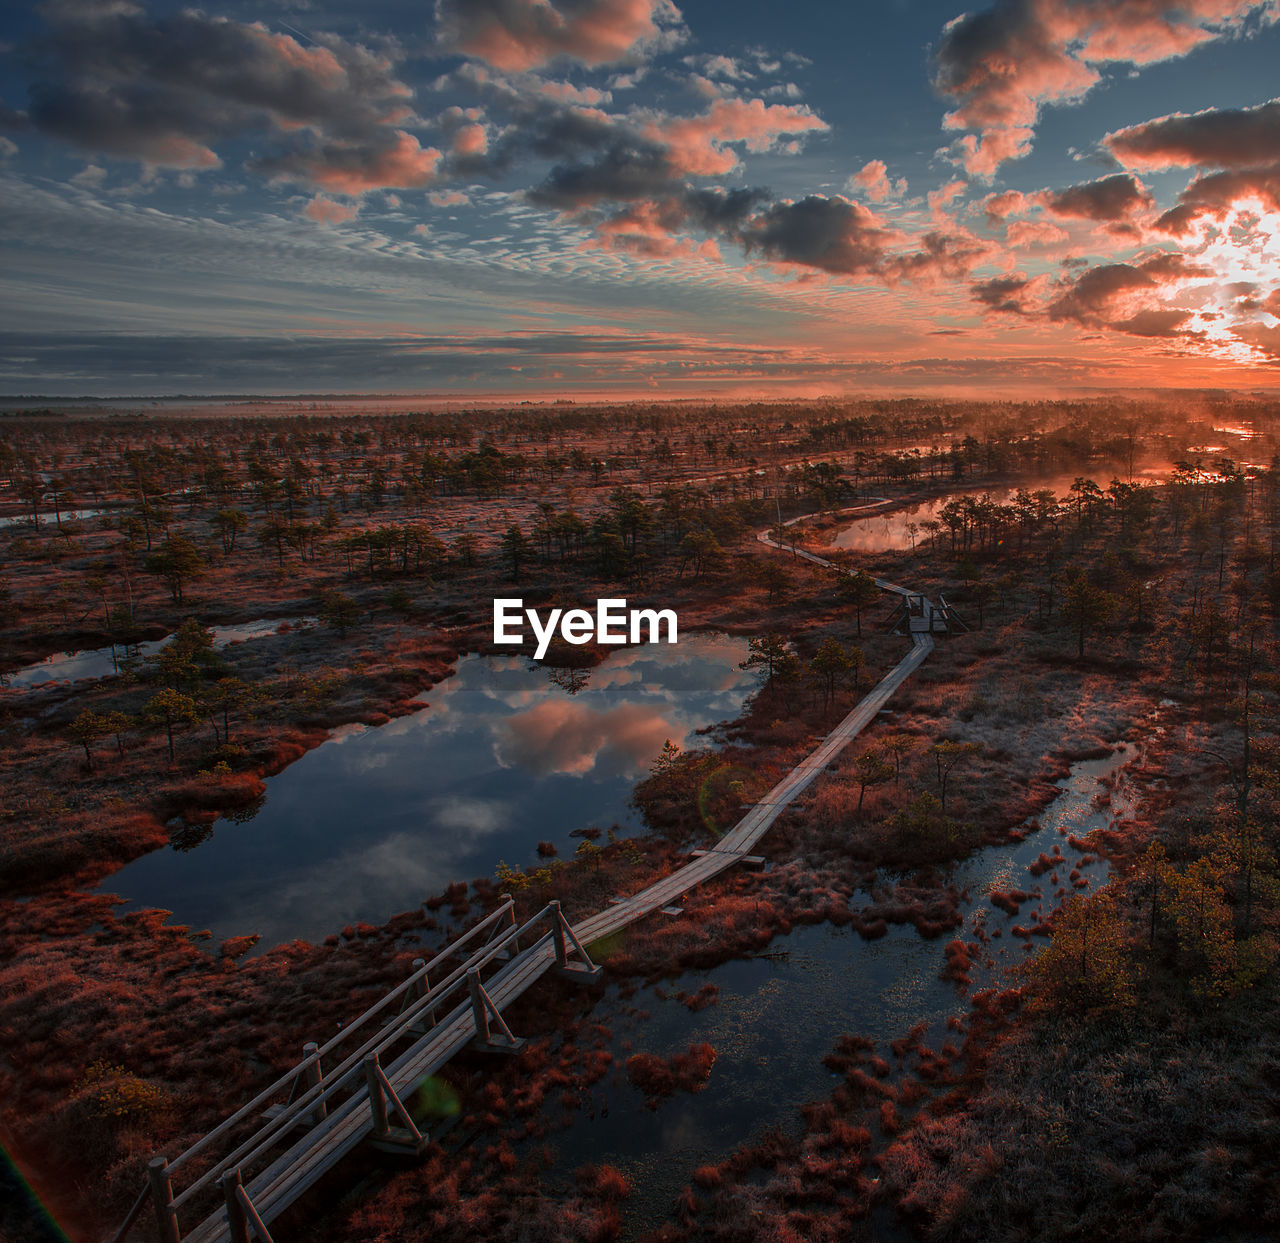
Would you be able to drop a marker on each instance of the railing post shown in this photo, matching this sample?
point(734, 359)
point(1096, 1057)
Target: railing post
point(162, 1198)
point(478, 1008)
point(422, 986)
point(315, 1079)
point(237, 1221)
point(557, 932)
point(377, 1102)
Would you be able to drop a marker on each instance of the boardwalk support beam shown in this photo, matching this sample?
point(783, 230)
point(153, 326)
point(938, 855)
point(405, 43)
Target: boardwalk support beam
point(315, 1079)
point(417, 991)
point(383, 1099)
point(485, 1012)
point(583, 972)
point(242, 1217)
point(162, 1198)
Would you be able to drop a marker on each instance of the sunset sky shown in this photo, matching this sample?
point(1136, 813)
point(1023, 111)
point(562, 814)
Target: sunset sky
point(544, 197)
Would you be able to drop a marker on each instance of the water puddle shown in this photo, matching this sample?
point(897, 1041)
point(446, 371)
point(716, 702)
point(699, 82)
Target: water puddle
point(48, 520)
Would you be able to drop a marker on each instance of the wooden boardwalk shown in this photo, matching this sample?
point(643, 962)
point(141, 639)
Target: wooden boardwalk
point(263, 1167)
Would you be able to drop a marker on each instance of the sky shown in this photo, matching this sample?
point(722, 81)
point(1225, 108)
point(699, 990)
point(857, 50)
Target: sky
point(568, 198)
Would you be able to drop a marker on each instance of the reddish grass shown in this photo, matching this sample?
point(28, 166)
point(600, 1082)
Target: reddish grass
point(657, 1077)
point(1009, 900)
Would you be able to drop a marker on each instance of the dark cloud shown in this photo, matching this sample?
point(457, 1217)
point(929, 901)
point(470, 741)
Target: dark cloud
point(1125, 297)
point(619, 175)
point(101, 363)
point(547, 120)
point(515, 35)
point(388, 159)
point(1228, 138)
point(1218, 193)
point(722, 211)
point(1154, 323)
point(1172, 266)
point(167, 90)
point(942, 256)
point(1108, 199)
point(1005, 294)
point(831, 234)
point(1094, 296)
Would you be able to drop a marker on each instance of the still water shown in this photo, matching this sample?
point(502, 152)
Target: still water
point(376, 820)
point(105, 662)
point(892, 530)
point(776, 1017)
point(49, 519)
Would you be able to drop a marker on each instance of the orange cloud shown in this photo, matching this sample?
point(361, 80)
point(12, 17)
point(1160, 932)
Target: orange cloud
point(562, 736)
point(697, 146)
point(873, 178)
point(471, 140)
point(354, 169)
point(1005, 63)
point(326, 211)
point(515, 35)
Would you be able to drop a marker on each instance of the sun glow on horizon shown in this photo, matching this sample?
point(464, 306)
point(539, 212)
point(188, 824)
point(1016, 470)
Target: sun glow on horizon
point(1243, 252)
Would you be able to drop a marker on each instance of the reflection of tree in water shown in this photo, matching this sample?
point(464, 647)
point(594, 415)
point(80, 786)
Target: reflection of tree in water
point(571, 681)
point(189, 836)
point(242, 815)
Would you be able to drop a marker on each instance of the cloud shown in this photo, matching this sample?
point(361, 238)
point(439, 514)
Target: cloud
point(1108, 199)
point(471, 140)
point(1127, 298)
point(1002, 65)
point(1216, 138)
point(873, 179)
point(717, 66)
point(652, 159)
point(1242, 142)
point(515, 35)
point(941, 256)
point(394, 160)
point(1026, 233)
point(831, 234)
point(326, 211)
point(1008, 203)
point(564, 736)
point(621, 174)
point(700, 146)
point(169, 90)
point(1095, 295)
point(1219, 194)
point(1004, 294)
point(88, 362)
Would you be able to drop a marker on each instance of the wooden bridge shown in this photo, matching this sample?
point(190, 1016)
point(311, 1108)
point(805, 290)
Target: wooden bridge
point(255, 1165)
point(259, 1161)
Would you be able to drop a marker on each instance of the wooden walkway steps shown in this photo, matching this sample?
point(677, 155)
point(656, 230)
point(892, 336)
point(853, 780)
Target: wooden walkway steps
point(252, 1169)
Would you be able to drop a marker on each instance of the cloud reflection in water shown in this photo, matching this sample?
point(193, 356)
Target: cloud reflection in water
point(376, 820)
